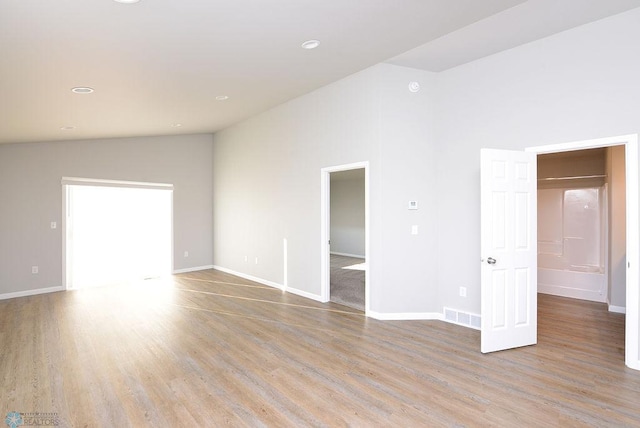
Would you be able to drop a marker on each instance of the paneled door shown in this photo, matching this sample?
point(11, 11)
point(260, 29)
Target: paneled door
point(508, 249)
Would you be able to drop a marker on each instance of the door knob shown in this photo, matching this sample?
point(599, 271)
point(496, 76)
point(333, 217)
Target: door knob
point(491, 261)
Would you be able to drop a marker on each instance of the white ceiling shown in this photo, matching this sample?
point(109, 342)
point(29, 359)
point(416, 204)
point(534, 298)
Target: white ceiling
point(524, 23)
point(158, 63)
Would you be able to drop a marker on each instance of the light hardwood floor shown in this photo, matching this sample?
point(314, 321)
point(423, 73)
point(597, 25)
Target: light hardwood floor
point(210, 349)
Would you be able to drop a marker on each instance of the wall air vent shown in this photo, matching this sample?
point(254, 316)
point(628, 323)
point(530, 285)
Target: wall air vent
point(462, 318)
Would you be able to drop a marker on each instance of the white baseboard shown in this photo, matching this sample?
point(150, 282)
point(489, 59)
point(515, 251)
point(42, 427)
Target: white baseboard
point(302, 293)
point(554, 290)
point(618, 309)
point(633, 365)
point(30, 292)
point(249, 277)
point(405, 316)
point(347, 255)
point(193, 269)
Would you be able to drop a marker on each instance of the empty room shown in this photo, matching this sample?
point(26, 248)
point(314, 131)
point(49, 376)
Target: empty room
point(319, 213)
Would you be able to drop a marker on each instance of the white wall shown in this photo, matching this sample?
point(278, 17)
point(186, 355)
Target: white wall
point(31, 198)
point(576, 85)
point(348, 215)
point(267, 185)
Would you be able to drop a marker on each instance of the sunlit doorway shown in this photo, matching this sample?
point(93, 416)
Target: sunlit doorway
point(117, 232)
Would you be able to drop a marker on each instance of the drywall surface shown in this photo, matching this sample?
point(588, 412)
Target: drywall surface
point(267, 185)
point(348, 215)
point(31, 198)
point(577, 85)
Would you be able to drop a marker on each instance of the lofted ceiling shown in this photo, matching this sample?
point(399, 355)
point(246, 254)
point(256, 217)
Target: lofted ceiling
point(158, 66)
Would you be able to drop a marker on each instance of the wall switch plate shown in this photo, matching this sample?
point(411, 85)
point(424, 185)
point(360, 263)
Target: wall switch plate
point(186, 254)
point(463, 291)
point(246, 258)
point(413, 205)
point(256, 260)
point(34, 269)
point(54, 225)
point(414, 229)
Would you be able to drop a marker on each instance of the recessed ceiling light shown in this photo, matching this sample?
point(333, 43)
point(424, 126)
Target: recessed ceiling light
point(82, 90)
point(310, 44)
point(67, 128)
point(222, 98)
point(127, 1)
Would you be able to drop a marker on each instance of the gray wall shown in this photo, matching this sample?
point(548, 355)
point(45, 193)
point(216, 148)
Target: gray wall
point(577, 85)
point(348, 214)
point(31, 195)
point(267, 185)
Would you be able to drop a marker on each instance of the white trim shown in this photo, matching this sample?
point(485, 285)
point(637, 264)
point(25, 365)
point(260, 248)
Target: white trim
point(586, 144)
point(572, 293)
point(617, 309)
point(406, 316)
point(250, 277)
point(285, 267)
point(325, 174)
point(78, 181)
point(26, 293)
point(303, 293)
point(630, 142)
point(291, 290)
point(460, 324)
point(192, 269)
point(359, 256)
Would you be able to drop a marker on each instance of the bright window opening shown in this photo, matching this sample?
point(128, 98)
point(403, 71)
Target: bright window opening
point(117, 234)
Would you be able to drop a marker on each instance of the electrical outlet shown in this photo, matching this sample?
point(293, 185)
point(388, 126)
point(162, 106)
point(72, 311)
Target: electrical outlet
point(463, 291)
point(34, 269)
point(54, 225)
point(186, 254)
point(414, 229)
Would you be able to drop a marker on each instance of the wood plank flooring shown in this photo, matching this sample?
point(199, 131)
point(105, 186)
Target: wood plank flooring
point(210, 349)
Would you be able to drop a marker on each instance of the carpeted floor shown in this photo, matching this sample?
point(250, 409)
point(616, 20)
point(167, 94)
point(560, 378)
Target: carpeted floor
point(347, 281)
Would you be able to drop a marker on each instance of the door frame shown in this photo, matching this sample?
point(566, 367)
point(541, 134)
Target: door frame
point(325, 228)
point(630, 143)
point(77, 181)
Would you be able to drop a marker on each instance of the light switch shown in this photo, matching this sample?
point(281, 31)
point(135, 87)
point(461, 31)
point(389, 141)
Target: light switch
point(54, 225)
point(414, 229)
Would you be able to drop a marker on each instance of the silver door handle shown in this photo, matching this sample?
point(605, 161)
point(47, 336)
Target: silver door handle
point(491, 261)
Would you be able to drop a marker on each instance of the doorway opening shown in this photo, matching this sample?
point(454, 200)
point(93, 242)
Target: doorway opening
point(623, 247)
point(116, 232)
point(581, 247)
point(345, 235)
point(581, 230)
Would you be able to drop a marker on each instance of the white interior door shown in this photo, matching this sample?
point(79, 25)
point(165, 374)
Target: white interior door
point(508, 249)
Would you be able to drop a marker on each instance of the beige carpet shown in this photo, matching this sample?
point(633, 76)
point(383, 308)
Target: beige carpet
point(347, 281)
